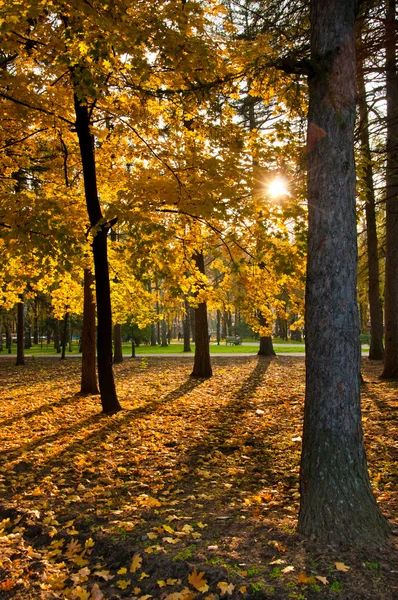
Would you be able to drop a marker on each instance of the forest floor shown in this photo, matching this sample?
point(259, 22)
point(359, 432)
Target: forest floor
point(190, 492)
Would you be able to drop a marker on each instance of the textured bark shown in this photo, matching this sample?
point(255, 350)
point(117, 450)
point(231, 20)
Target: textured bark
point(337, 504)
point(118, 351)
point(186, 328)
point(89, 377)
point(202, 365)
point(109, 401)
point(390, 370)
point(164, 343)
point(20, 334)
point(376, 350)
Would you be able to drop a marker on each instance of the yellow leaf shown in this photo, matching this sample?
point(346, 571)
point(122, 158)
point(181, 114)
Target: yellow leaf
point(322, 579)
point(161, 583)
point(196, 535)
point(136, 563)
point(145, 597)
point(243, 589)
point(197, 581)
point(303, 578)
point(152, 535)
point(288, 569)
point(106, 575)
point(89, 543)
point(137, 590)
point(341, 567)
point(143, 576)
point(81, 593)
point(226, 588)
point(123, 583)
point(122, 571)
point(168, 528)
point(201, 525)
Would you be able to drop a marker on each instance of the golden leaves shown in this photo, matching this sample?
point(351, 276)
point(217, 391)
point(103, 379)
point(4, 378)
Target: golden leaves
point(135, 563)
point(197, 581)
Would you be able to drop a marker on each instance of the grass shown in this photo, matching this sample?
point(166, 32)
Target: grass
point(175, 348)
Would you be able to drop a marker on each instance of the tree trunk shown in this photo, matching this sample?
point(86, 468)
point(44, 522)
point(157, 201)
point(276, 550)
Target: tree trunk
point(187, 328)
point(192, 323)
point(64, 336)
point(266, 346)
point(117, 336)
point(218, 334)
point(109, 401)
point(224, 332)
point(20, 334)
point(390, 370)
point(202, 365)
point(376, 350)
point(9, 337)
point(57, 342)
point(88, 383)
point(337, 504)
point(164, 334)
point(36, 322)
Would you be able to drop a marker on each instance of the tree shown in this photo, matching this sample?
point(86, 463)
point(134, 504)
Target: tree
point(390, 370)
point(202, 364)
point(337, 504)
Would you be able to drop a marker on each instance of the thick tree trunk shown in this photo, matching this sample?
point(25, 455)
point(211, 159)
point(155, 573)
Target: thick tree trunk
point(88, 383)
point(390, 370)
point(202, 365)
point(20, 334)
point(376, 350)
point(117, 336)
point(109, 401)
point(337, 504)
point(186, 328)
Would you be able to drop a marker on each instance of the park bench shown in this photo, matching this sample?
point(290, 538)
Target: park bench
point(233, 341)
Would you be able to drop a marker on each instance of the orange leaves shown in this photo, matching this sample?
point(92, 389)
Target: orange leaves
point(135, 563)
point(197, 581)
point(341, 567)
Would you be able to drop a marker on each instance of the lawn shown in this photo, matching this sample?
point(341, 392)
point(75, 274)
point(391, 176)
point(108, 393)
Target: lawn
point(190, 492)
point(174, 348)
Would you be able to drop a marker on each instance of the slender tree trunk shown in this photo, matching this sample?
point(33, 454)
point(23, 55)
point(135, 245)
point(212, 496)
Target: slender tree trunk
point(192, 322)
point(9, 337)
point(88, 383)
point(390, 370)
point(187, 328)
point(64, 336)
point(337, 504)
point(202, 365)
point(20, 334)
point(224, 332)
point(57, 342)
point(36, 322)
point(70, 348)
point(218, 330)
point(117, 336)
point(164, 334)
point(109, 401)
point(376, 350)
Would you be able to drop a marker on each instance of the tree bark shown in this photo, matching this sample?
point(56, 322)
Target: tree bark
point(36, 322)
point(390, 370)
point(64, 336)
point(202, 365)
point(376, 350)
point(88, 383)
point(186, 328)
point(109, 401)
point(20, 334)
point(164, 343)
point(337, 503)
point(218, 331)
point(117, 336)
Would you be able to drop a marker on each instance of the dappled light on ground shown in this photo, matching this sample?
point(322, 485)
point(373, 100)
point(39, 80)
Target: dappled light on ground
point(190, 492)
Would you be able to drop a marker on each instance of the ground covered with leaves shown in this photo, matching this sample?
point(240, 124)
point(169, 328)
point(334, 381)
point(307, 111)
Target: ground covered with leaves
point(191, 492)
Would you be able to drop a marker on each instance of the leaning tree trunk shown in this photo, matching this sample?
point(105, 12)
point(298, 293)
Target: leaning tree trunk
point(337, 504)
point(376, 350)
point(117, 336)
point(20, 334)
point(202, 365)
point(390, 370)
point(109, 401)
point(88, 383)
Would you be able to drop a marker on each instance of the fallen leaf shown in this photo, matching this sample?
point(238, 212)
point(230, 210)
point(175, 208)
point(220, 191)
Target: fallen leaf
point(308, 580)
point(322, 579)
point(341, 567)
point(225, 588)
point(197, 581)
point(123, 583)
point(96, 593)
point(135, 563)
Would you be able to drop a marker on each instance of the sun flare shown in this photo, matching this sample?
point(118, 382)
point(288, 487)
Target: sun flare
point(278, 187)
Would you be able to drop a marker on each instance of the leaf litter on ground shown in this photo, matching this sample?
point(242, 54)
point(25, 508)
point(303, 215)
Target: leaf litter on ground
point(190, 492)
